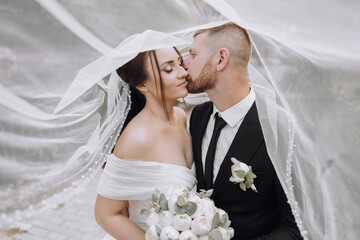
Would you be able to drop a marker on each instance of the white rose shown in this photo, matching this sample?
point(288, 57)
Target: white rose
point(188, 235)
point(166, 218)
point(231, 232)
point(151, 233)
point(208, 207)
point(169, 232)
point(173, 196)
point(194, 198)
point(153, 218)
point(235, 167)
point(200, 226)
point(179, 190)
point(224, 232)
point(182, 222)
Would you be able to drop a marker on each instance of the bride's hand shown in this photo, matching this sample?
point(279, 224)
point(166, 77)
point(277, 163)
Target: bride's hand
point(125, 212)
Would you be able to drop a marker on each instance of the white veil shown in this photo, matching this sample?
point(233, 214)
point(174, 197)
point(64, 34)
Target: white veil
point(55, 131)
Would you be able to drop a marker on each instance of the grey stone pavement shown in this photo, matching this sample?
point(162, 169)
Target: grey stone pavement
point(74, 221)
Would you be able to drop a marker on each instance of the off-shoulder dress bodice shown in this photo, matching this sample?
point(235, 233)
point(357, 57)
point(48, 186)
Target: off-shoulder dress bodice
point(136, 181)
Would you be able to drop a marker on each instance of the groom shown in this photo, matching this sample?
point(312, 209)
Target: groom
point(227, 127)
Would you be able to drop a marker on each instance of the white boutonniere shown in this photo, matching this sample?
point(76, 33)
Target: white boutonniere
point(242, 174)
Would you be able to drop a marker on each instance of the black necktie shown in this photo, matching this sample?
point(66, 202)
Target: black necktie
point(209, 161)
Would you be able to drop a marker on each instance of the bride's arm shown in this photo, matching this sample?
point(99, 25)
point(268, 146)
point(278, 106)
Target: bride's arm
point(108, 215)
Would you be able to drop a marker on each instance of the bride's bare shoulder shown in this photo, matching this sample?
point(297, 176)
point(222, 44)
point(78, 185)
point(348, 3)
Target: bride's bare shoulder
point(180, 115)
point(134, 141)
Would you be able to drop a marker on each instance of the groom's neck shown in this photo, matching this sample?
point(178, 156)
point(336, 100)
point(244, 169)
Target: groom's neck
point(228, 93)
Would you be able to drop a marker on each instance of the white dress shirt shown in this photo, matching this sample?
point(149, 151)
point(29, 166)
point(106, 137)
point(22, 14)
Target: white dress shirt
point(233, 116)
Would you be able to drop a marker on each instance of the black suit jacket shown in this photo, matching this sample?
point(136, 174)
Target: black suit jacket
point(262, 215)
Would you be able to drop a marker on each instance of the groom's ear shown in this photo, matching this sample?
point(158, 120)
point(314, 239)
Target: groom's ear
point(223, 58)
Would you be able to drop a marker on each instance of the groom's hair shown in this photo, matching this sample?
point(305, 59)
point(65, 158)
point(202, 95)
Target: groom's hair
point(231, 36)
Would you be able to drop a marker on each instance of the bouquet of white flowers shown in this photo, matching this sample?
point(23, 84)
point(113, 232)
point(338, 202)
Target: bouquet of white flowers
point(183, 214)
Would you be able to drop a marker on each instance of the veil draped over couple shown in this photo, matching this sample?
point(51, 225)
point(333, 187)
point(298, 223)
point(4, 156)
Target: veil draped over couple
point(154, 142)
point(283, 100)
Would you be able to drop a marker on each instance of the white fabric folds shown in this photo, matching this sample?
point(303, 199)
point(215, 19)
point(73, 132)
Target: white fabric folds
point(59, 119)
point(125, 179)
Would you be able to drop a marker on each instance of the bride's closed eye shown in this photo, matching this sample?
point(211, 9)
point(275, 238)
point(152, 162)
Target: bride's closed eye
point(168, 70)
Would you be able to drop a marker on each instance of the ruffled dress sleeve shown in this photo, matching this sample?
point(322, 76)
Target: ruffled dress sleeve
point(125, 179)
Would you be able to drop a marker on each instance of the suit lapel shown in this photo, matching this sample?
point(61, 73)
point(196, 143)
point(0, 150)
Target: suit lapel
point(243, 147)
point(198, 160)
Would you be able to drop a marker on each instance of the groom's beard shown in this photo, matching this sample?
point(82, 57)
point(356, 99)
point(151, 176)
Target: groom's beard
point(205, 81)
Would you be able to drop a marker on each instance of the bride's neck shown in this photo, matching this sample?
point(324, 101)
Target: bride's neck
point(156, 110)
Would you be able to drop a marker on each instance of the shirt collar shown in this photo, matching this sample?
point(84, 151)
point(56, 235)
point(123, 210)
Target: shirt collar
point(237, 112)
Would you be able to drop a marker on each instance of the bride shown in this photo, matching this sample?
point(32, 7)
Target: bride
point(154, 149)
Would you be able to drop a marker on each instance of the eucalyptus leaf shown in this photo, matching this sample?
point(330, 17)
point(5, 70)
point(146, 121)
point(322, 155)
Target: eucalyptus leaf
point(215, 221)
point(224, 221)
point(205, 194)
point(143, 211)
point(157, 191)
point(164, 204)
point(243, 186)
point(157, 209)
point(223, 218)
point(154, 197)
point(209, 193)
point(249, 183)
point(191, 208)
point(227, 224)
point(181, 201)
point(158, 230)
point(247, 177)
point(162, 196)
point(252, 175)
point(216, 235)
point(179, 209)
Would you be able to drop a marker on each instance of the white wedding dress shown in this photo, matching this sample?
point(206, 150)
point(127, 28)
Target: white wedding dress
point(136, 181)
